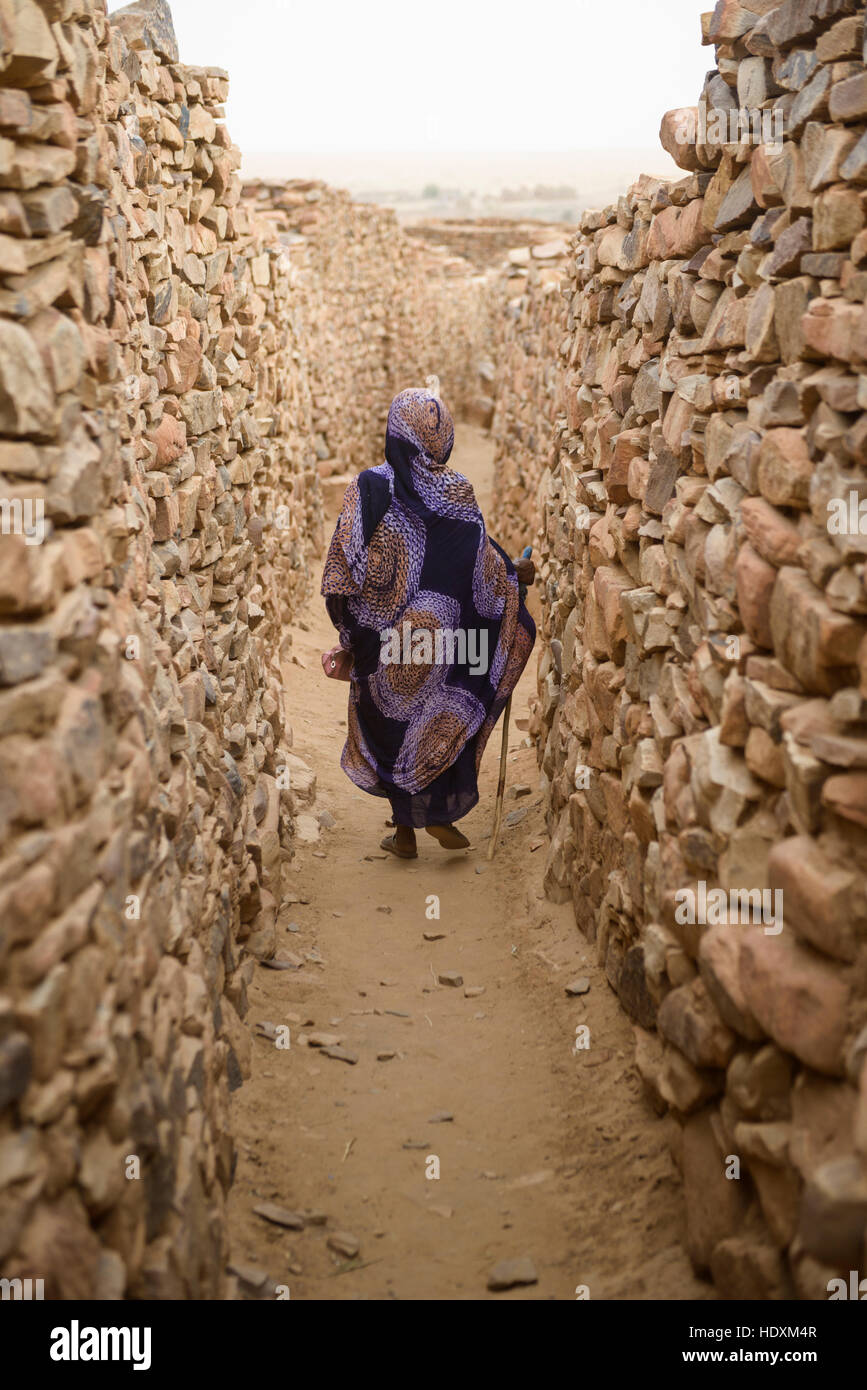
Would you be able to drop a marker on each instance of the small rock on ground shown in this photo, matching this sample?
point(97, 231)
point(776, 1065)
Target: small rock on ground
point(279, 1216)
point(307, 829)
point(450, 977)
point(510, 1273)
point(340, 1054)
point(344, 1243)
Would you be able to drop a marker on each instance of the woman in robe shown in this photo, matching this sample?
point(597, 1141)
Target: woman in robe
point(430, 609)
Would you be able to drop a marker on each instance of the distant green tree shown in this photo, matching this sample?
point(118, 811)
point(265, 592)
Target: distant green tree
point(431, 190)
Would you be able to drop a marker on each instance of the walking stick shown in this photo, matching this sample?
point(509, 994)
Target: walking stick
point(501, 785)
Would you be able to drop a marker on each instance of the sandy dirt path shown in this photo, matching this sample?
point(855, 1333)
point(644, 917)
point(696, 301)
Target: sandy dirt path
point(546, 1153)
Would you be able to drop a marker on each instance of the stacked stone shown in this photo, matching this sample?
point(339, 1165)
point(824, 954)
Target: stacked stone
point(529, 386)
point(703, 686)
point(486, 241)
point(287, 499)
point(151, 402)
point(382, 311)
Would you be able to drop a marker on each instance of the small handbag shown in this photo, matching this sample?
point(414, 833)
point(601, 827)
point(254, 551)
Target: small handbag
point(337, 664)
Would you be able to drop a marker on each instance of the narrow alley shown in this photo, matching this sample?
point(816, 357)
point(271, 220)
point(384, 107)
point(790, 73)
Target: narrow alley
point(455, 1039)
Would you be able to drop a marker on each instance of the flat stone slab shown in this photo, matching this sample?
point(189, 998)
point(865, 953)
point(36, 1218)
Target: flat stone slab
point(279, 1216)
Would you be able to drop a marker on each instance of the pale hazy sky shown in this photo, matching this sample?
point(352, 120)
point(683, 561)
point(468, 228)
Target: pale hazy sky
point(455, 75)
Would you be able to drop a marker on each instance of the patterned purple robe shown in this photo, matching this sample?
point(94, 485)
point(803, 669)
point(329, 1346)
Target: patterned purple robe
point(409, 555)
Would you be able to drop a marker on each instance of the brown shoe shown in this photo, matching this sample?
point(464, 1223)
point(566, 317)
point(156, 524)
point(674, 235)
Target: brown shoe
point(448, 836)
point(390, 843)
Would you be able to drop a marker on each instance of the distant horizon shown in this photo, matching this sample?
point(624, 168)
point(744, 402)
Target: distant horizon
point(595, 175)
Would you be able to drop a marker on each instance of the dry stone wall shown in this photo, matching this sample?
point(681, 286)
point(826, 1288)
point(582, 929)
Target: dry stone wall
point(174, 373)
point(487, 241)
point(384, 311)
point(143, 833)
point(702, 716)
point(528, 393)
